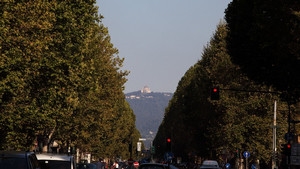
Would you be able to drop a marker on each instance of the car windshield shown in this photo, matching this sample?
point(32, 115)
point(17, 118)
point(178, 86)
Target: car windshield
point(53, 164)
point(12, 163)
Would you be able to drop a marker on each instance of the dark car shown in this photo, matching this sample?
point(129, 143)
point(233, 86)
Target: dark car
point(122, 165)
point(210, 164)
point(152, 166)
point(86, 166)
point(18, 160)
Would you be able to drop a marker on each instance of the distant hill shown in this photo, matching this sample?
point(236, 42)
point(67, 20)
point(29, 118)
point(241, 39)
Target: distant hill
point(149, 108)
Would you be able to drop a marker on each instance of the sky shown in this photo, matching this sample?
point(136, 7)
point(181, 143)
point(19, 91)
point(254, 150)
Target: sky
point(160, 39)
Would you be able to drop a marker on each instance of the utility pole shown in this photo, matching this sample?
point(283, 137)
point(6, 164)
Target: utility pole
point(274, 160)
point(130, 147)
point(289, 131)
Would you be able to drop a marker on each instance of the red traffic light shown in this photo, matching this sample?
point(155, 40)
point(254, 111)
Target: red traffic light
point(168, 145)
point(215, 93)
point(288, 146)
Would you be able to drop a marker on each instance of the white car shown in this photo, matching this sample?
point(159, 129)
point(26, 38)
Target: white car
point(56, 161)
point(210, 164)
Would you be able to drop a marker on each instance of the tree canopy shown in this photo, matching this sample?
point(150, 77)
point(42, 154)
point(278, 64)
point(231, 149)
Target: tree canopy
point(207, 128)
point(60, 79)
point(263, 40)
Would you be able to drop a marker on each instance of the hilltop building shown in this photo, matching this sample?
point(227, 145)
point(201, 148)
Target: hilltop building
point(146, 89)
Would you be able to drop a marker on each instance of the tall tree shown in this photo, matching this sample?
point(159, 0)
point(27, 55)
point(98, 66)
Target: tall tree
point(61, 79)
point(263, 40)
point(24, 86)
point(210, 128)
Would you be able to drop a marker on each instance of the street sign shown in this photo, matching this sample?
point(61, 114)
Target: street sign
point(227, 165)
point(139, 146)
point(253, 166)
point(169, 156)
point(246, 154)
point(136, 164)
point(153, 149)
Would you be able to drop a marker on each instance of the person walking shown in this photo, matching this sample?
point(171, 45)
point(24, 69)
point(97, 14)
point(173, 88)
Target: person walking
point(116, 165)
point(100, 164)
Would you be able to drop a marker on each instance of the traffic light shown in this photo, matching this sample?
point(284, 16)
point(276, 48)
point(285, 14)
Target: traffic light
point(237, 153)
point(168, 144)
point(286, 149)
point(215, 93)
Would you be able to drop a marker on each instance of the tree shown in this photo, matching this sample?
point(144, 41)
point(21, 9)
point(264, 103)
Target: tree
point(25, 40)
point(61, 79)
point(238, 120)
point(263, 40)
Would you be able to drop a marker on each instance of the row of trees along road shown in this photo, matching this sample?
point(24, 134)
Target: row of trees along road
point(262, 40)
point(60, 79)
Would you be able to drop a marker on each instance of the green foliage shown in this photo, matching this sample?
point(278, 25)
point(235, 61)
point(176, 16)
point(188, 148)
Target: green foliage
point(209, 128)
point(264, 41)
point(25, 102)
point(60, 79)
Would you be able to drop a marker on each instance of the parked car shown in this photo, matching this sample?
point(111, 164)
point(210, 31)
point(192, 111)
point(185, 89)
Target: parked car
point(56, 161)
point(152, 166)
point(122, 165)
point(18, 160)
point(210, 164)
point(86, 166)
point(183, 165)
point(170, 166)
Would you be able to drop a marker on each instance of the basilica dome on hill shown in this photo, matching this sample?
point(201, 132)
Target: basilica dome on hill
point(146, 89)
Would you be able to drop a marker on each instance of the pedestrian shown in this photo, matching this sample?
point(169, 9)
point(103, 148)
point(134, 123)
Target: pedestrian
point(100, 164)
point(116, 165)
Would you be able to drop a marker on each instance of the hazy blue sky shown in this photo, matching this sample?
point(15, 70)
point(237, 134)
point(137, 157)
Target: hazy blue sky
point(160, 39)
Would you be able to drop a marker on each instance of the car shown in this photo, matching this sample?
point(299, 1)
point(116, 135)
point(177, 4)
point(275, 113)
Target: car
point(86, 166)
point(152, 166)
point(122, 165)
point(56, 161)
point(170, 166)
point(183, 165)
point(210, 164)
point(18, 160)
